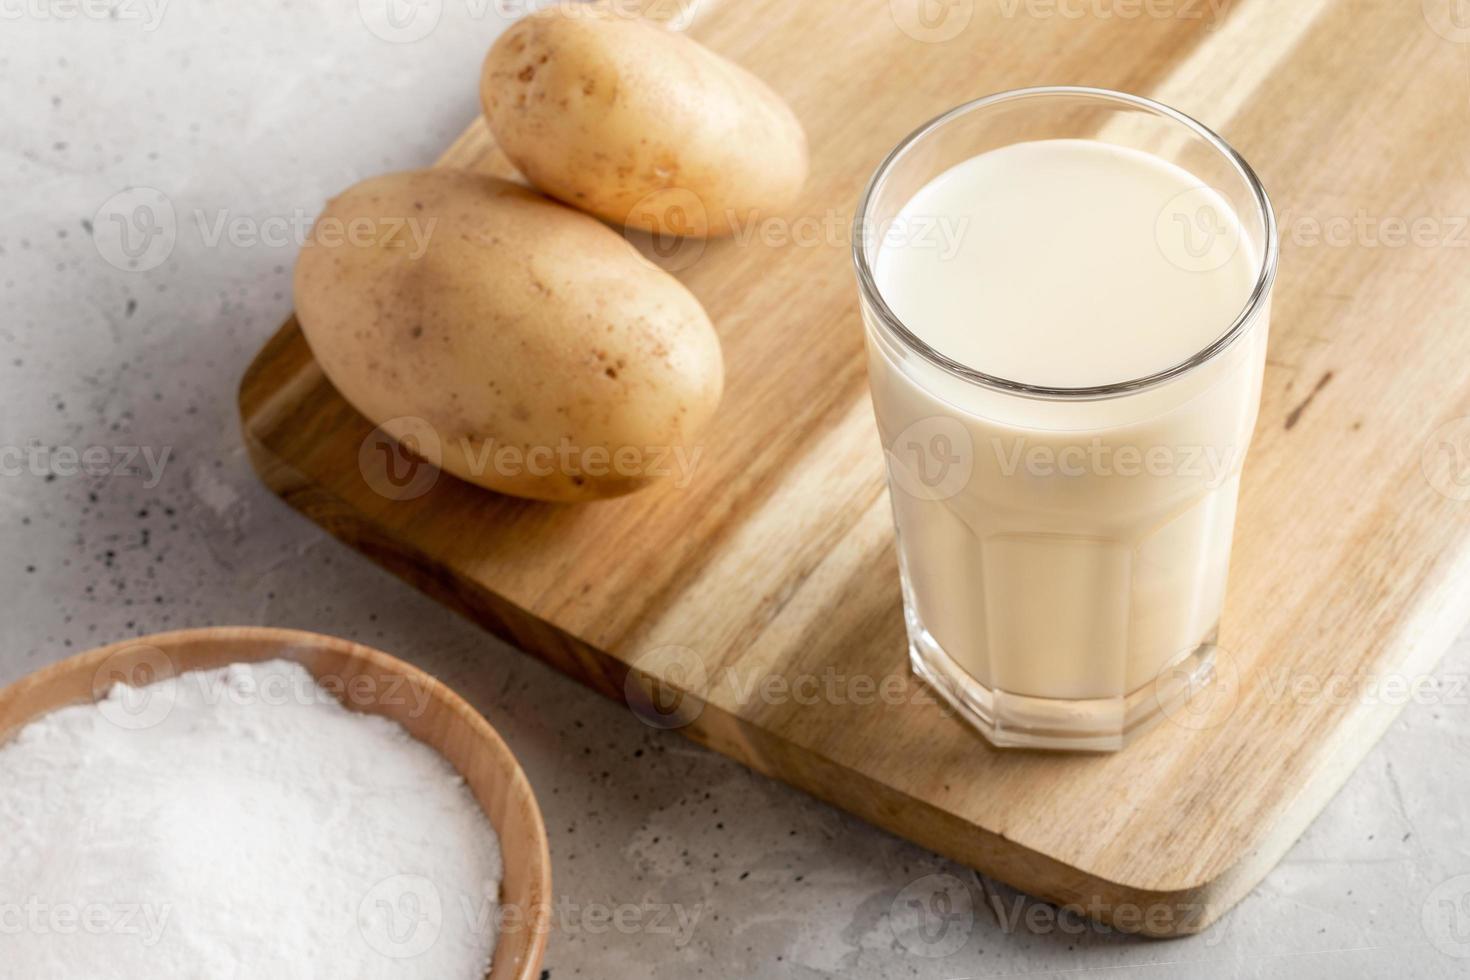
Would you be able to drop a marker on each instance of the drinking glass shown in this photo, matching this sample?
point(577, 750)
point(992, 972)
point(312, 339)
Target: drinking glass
point(1052, 606)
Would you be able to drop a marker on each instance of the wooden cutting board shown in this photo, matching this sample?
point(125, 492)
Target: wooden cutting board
point(765, 592)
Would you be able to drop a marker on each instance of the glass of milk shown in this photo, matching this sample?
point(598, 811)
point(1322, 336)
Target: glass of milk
point(1066, 294)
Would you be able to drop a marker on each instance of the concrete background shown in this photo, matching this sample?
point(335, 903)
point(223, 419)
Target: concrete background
point(258, 111)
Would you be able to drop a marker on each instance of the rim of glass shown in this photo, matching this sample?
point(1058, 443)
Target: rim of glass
point(1265, 278)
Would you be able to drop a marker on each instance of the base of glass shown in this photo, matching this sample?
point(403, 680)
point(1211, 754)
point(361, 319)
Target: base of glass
point(1099, 725)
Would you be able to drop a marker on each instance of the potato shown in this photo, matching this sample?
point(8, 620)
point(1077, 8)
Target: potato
point(639, 125)
point(522, 345)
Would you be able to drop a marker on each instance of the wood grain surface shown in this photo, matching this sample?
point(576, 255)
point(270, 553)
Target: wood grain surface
point(765, 590)
point(366, 680)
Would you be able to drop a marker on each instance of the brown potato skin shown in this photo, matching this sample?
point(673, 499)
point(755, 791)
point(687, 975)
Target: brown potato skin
point(522, 321)
point(639, 125)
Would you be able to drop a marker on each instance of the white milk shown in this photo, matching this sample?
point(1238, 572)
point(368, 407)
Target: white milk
point(1064, 549)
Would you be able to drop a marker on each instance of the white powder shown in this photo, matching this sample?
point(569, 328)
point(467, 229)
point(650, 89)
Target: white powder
point(236, 824)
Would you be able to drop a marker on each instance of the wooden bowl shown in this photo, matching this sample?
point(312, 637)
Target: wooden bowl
point(365, 680)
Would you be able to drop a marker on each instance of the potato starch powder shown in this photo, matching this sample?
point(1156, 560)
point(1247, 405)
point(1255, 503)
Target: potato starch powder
point(238, 823)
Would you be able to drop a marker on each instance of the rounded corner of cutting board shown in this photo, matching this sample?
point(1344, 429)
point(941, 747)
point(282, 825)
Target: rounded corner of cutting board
point(1164, 912)
point(1182, 898)
point(260, 380)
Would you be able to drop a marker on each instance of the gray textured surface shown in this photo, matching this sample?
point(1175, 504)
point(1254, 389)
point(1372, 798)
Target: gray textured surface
point(259, 111)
